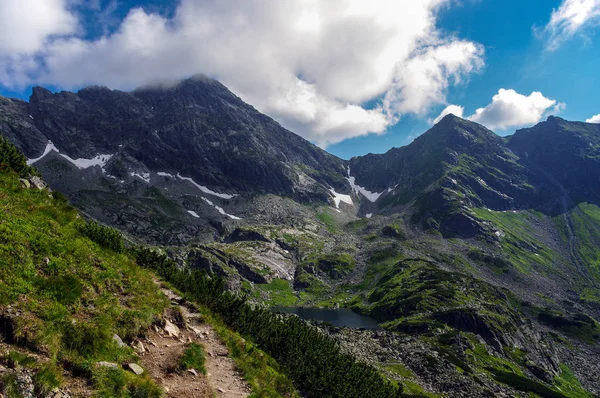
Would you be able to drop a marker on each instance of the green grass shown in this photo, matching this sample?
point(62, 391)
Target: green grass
point(325, 217)
point(521, 248)
point(568, 384)
point(193, 357)
point(73, 294)
point(117, 383)
point(586, 225)
point(335, 265)
point(277, 292)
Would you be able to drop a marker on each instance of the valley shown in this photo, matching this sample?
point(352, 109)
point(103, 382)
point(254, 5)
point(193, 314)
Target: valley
point(477, 255)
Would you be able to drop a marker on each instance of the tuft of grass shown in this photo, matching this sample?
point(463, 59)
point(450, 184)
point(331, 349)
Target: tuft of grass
point(16, 358)
point(193, 357)
point(47, 378)
point(9, 386)
point(116, 383)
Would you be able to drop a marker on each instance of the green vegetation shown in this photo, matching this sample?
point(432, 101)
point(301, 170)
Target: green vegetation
point(11, 159)
point(72, 293)
point(523, 250)
point(105, 236)
point(327, 218)
point(580, 326)
point(313, 360)
point(335, 265)
point(586, 227)
point(260, 370)
point(193, 357)
point(569, 385)
point(394, 231)
point(523, 383)
point(117, 383)
point(277, 292)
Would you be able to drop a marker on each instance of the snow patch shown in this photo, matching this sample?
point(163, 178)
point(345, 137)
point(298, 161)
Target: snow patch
point(193, 213)
point(339, 197)
point(163, 174)
point(49, 147)
point(369, 215)
point(371, 196)
point(143, 176)
point(391, 189)
point(220, 209)
point(205, 189)
point(31, 117)
point(98, 160)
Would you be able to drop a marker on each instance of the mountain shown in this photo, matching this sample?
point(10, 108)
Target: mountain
point(138, 159)
point(477, 254)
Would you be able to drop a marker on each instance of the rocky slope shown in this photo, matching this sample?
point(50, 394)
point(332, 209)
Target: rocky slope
point(153, 160)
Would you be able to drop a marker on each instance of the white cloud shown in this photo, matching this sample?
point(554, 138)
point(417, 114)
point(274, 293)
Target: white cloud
point(594, 119)
point(455, 110)
point(569, 18)
point(310, 64)
point(510, 109)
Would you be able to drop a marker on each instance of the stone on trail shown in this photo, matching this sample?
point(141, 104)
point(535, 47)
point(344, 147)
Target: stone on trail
point(171, 329)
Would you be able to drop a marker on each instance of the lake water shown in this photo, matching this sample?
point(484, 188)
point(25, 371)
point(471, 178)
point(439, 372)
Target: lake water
point(341, 317)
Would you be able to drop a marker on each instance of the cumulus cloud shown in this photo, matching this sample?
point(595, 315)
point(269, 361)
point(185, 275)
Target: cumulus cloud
point(569, 18)
point(26, 26)
point(455, 110)
point(312, 65)
point(510, 109)
point(594, 119)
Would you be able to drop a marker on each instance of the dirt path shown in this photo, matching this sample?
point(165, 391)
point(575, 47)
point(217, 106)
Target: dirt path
point(161, 350)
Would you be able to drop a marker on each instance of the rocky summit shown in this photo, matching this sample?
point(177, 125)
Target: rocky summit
point(477, 254)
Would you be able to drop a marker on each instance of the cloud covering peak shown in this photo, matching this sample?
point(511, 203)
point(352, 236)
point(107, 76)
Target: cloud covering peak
point(328, 70)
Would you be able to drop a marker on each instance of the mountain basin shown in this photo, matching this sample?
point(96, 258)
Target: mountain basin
point(340, 317)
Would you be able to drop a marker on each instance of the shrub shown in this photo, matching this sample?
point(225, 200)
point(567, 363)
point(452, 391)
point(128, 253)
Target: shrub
point(12, 159)
point(106, 237)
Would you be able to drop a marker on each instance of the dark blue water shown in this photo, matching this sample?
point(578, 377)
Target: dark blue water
point(341, 317)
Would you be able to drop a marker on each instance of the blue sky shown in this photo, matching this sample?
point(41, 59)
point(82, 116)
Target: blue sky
point(515, 58)
point(349, 77)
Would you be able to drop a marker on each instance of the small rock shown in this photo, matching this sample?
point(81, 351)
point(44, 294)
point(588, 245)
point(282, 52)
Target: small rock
point(195, 330)
point(139, 347)
point(135, 368)
point(220, 390)
point(171, 329)
point(107, 365)
point(153, 343)
point(25, 183)
point(118, 340)
point(223, 352)
point(37, 182)
point(193, 371)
